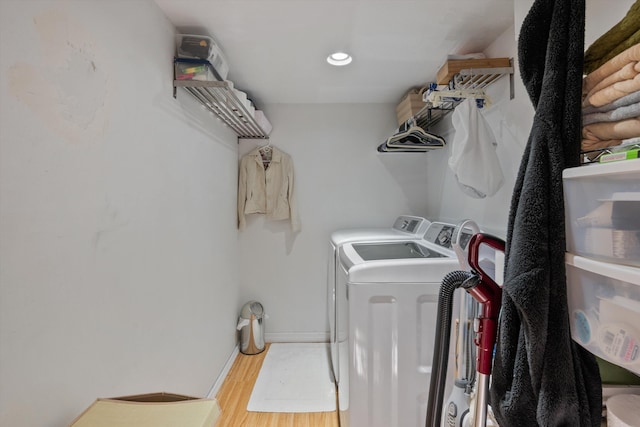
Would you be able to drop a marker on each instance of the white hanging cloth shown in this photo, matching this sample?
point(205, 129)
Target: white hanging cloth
point(473, 153)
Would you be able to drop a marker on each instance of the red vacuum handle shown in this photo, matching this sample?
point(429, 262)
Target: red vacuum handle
point(476, 241)
point(489, 294)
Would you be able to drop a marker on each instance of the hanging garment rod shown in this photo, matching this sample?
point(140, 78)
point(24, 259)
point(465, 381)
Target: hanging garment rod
point(439, 97)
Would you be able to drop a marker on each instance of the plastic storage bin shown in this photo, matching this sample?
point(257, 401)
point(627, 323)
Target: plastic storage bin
point(604, 308)
point(193, 69)
point(202, 47)
point(194, 46)
point(263, 122)
point(602, 209)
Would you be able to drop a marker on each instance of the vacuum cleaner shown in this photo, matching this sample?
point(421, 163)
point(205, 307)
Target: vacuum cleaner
point(456, 407)
point(487, 295)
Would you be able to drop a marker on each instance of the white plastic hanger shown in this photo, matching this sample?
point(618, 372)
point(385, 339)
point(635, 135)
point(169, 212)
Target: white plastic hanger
point(418, 137)
point(266, 147)
point(438, 97)
point(265, 152)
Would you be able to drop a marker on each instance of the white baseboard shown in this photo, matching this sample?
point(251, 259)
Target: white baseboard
point(215, 388)
point(297, 337)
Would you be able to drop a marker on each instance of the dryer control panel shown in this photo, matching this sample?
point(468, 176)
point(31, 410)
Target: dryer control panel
point(408, 224)
point(441, 234)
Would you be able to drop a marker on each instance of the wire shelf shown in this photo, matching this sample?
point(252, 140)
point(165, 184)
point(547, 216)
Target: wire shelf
point(218, 98)
point(478, 78)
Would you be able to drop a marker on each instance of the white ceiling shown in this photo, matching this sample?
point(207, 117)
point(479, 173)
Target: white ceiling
point(276, 49)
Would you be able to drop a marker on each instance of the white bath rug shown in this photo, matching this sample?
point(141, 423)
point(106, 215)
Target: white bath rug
point(295, 377)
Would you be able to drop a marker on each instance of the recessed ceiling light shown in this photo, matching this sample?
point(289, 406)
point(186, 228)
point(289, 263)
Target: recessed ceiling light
point(339, 58)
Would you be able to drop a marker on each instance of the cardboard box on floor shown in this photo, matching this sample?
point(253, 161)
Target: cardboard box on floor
point(150, 410)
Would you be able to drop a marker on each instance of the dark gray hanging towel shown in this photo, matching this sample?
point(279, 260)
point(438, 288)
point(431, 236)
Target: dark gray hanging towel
point(540, 376)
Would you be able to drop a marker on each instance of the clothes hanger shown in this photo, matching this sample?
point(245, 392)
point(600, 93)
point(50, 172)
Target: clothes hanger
point(266, 152)
point(439, 97)
point(266, 148)
point(416, 141)
point(413, 128)
point(414, 137)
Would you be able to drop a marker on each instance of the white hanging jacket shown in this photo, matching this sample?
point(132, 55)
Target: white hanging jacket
point(267, 191)
point(473, 154)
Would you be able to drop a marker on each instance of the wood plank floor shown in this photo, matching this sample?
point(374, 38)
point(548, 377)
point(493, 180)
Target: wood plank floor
point(235, 392)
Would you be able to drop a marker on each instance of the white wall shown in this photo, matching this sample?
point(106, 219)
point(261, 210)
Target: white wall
point(118, 255)
point(341, 182)
point(601, 15)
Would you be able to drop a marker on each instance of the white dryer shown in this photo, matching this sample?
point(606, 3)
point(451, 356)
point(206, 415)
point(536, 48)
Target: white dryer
point(405, 227)
point(385, 347)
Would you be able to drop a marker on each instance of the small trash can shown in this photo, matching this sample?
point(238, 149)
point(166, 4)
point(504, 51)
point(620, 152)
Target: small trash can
point(251, 328)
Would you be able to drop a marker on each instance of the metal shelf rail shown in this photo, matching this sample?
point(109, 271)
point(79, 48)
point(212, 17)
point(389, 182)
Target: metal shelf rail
point(219, 98)
point(468, 79)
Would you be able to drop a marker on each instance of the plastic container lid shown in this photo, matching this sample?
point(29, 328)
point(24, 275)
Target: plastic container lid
point(252, 308)
point(194, 46)
point(623, 410)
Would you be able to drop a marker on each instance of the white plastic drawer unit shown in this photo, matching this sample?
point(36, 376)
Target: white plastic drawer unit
point(604, 308)
point(602, 209)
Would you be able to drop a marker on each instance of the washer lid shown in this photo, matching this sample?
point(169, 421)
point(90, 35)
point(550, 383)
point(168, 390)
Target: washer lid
point(394, 250)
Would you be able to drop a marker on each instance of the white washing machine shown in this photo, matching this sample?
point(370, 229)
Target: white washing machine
point(390, 289)
point(405, 227)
